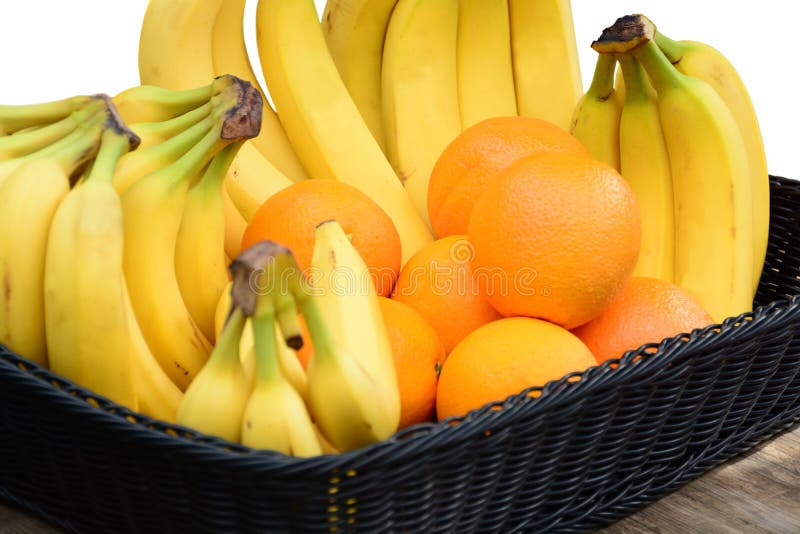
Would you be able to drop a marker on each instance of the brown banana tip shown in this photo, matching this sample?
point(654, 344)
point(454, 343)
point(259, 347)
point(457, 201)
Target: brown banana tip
point(243, 121)
point(115, 122)
point(245, 267)
point(624, 35)
point(295, 342)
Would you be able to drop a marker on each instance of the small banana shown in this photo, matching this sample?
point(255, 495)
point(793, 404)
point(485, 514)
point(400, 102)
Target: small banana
point(235, 225)
point(352, 386)
point(702, 61)
point(544, 51)
point(86, 322)
point(200, 266)
point(484, 46)
point(354, 32)
point(644, 162)
point(595, 122)
point(420, 91)
point(215, 401)
point(710, 176)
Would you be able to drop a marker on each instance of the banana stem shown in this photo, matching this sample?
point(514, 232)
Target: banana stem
point(173, 127)
point(661, 72)
point(113, 145)
point(674, 50)
point(265, 340)
point(636, 82)
point(603, 80)
point(317, 328)
point(228, 342)
point(18, 117)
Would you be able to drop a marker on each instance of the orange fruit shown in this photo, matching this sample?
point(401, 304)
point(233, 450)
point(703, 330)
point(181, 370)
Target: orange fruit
point(504, 357)
point(478, 155)
point(647, 310)
point(290, 217)
point(438, 282)
point(555, 238)
point(418, 353)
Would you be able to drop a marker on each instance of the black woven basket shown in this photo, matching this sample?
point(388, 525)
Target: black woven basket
point(587, 450)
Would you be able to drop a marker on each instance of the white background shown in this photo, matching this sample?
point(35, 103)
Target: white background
point(51, 49)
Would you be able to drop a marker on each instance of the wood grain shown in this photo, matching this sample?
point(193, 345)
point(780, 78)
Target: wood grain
point(758, 492)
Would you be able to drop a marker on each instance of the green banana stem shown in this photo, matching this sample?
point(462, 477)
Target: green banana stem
point(114, 143)
point(636, 81)
point(265, 340)
point(674, 50)
point(603, 80)
point(175, 126)
point(18, 117)
point(173, 103)
point(217, 169)
point(226, 351)
point(318, 329)
point(661, 71)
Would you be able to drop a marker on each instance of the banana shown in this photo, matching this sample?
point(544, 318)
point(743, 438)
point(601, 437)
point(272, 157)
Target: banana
point(230, 57)
point(86, 324)
point(215, 401)
point(595, 122)
point(200, 265)
point(711, 186)
point(251, 180)
point(547, 75)
point(702, 61)
point(352, 386)
point(354, 31)
point(420, 90)
point(175, 46)
point(320, 118)
point(484, 46)
point(154, 133)
point(235, 225)
point(14, 118)
point(135, 165)
point(152, 103)
point(276, 416)
point(30, 197)
point(644, 162)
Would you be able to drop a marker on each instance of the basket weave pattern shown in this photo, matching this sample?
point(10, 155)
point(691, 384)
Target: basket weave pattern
point(572, 456)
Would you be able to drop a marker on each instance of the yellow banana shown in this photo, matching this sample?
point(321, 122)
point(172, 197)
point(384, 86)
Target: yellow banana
point(154, 133)
point(235, 225)
point(485, 73)
point(354, 31)
point(352, 385)
point(420, 90)
point(320, 118)
point(14, 118)
point(200, 266)
point(153, 103)
point(644, 163)
point(87, 328)
point(545, 56)
point(711, 186)
point(230, 57)
point(251, 180)
point(215, 401)
point(595, 122)
point(708, 64)
point(30, 197)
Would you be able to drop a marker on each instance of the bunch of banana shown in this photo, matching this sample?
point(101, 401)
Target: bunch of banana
point(690, 146)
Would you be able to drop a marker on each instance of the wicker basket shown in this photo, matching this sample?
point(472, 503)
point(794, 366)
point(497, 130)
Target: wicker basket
point(578, 454)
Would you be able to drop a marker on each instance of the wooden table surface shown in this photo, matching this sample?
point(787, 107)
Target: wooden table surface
point(758, 492)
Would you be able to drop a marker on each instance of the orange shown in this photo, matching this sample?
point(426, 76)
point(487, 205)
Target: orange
point(291, 216)
point(437, 282)
point(647, 310)
point(477, 155)
point(418, 354)
point(555, 238)
point(504, 357)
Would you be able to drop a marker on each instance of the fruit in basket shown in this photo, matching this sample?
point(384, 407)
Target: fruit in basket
point(152, 212)
point(418, 354)
point(710, 176)
point(485, 71)
point(438, 282)
point(547, 74)
point(30, 196)
point(477, 156)
point(647, 310)
point(504, 357)
point(644, 163)
point(420, 90)
point(290, 217)
point(214, 403)
point(87, 325)
point(595, 122)
point(320, 118)
point(352, 385)
point(555, 237)
point(354, 32)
